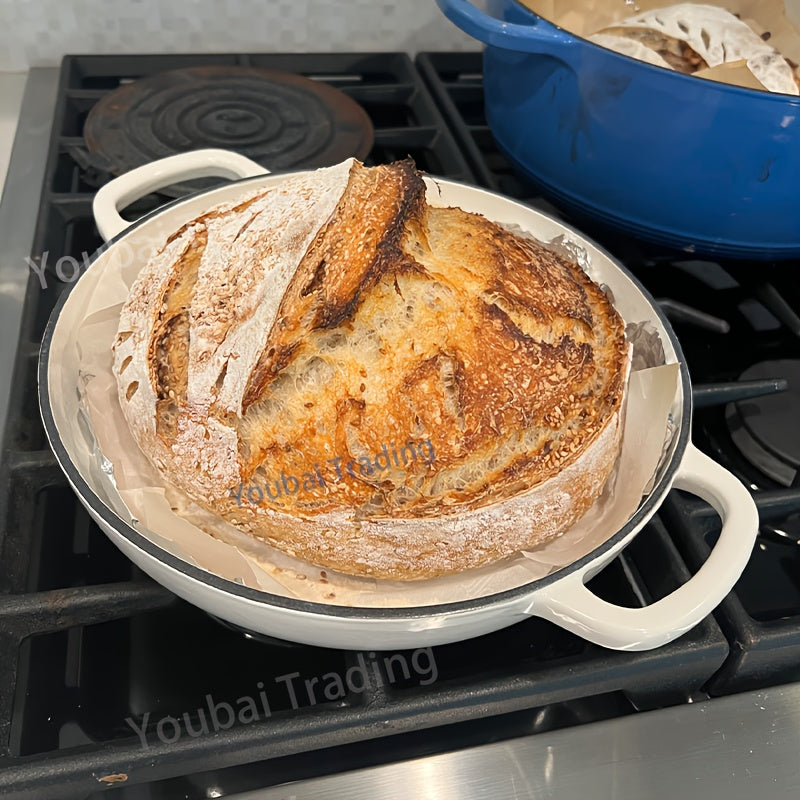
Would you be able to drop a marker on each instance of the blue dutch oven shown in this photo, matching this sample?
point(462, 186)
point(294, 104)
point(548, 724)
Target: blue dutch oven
point(677, 160)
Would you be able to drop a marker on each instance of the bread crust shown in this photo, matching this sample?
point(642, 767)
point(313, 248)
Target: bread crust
point(690, 37)
point(369, 383)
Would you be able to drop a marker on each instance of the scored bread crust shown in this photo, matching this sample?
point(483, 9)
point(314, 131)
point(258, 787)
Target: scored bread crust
point(688, 37)
point(370, 383)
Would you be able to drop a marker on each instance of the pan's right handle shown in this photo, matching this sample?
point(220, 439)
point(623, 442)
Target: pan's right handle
point(122, 191)
point(571, 605)
point(540, 36)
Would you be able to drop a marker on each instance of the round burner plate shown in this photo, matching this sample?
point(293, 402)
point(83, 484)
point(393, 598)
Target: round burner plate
point(766, 428)
point(280, 120)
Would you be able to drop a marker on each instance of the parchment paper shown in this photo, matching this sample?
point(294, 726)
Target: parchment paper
point(122, 476)
point(771, 18)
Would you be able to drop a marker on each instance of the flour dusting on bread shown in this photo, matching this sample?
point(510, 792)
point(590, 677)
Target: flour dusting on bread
point(690, 37)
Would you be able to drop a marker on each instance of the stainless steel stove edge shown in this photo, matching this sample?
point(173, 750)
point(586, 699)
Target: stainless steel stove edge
point(731, 748)
point(18, 212)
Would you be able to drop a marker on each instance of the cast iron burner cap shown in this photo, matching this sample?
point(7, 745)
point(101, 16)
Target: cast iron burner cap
point(766, 428)
point(282, 121)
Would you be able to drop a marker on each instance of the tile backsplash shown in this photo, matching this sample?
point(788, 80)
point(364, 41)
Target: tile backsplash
point(40, 32)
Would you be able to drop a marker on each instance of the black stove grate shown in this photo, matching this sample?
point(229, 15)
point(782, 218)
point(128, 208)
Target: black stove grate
point(91, 649)
point(761, 617)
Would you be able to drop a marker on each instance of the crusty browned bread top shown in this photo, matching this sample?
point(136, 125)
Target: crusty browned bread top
point(398, 360)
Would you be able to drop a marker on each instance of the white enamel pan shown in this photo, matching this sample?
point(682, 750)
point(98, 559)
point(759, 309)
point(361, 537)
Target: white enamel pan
point(561, 597)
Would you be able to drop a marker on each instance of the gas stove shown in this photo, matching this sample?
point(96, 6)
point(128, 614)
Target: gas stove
point(110, 683)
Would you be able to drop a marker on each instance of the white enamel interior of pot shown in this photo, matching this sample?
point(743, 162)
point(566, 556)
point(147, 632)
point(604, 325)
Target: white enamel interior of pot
point(307, 622)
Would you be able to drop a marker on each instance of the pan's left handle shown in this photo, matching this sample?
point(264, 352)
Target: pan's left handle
point(122, 191)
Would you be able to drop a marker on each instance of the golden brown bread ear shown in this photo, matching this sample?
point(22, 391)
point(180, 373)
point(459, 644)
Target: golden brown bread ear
point(370, 383)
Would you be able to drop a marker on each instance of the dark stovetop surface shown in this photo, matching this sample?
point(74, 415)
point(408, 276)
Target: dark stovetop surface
point(92, 650)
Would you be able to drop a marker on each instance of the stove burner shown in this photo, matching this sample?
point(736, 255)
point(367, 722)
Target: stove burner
point(280, 120)
point(253, 636)
point(765, 428)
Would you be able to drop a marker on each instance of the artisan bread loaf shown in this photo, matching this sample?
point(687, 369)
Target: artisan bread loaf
point(370, 383)
point(689, 37)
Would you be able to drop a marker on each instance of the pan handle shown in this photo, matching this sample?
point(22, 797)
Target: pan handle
point(571, 605)
point(539, 37)
point(122, 191)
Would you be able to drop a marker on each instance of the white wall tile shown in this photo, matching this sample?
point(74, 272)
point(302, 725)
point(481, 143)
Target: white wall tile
point(40, 32)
